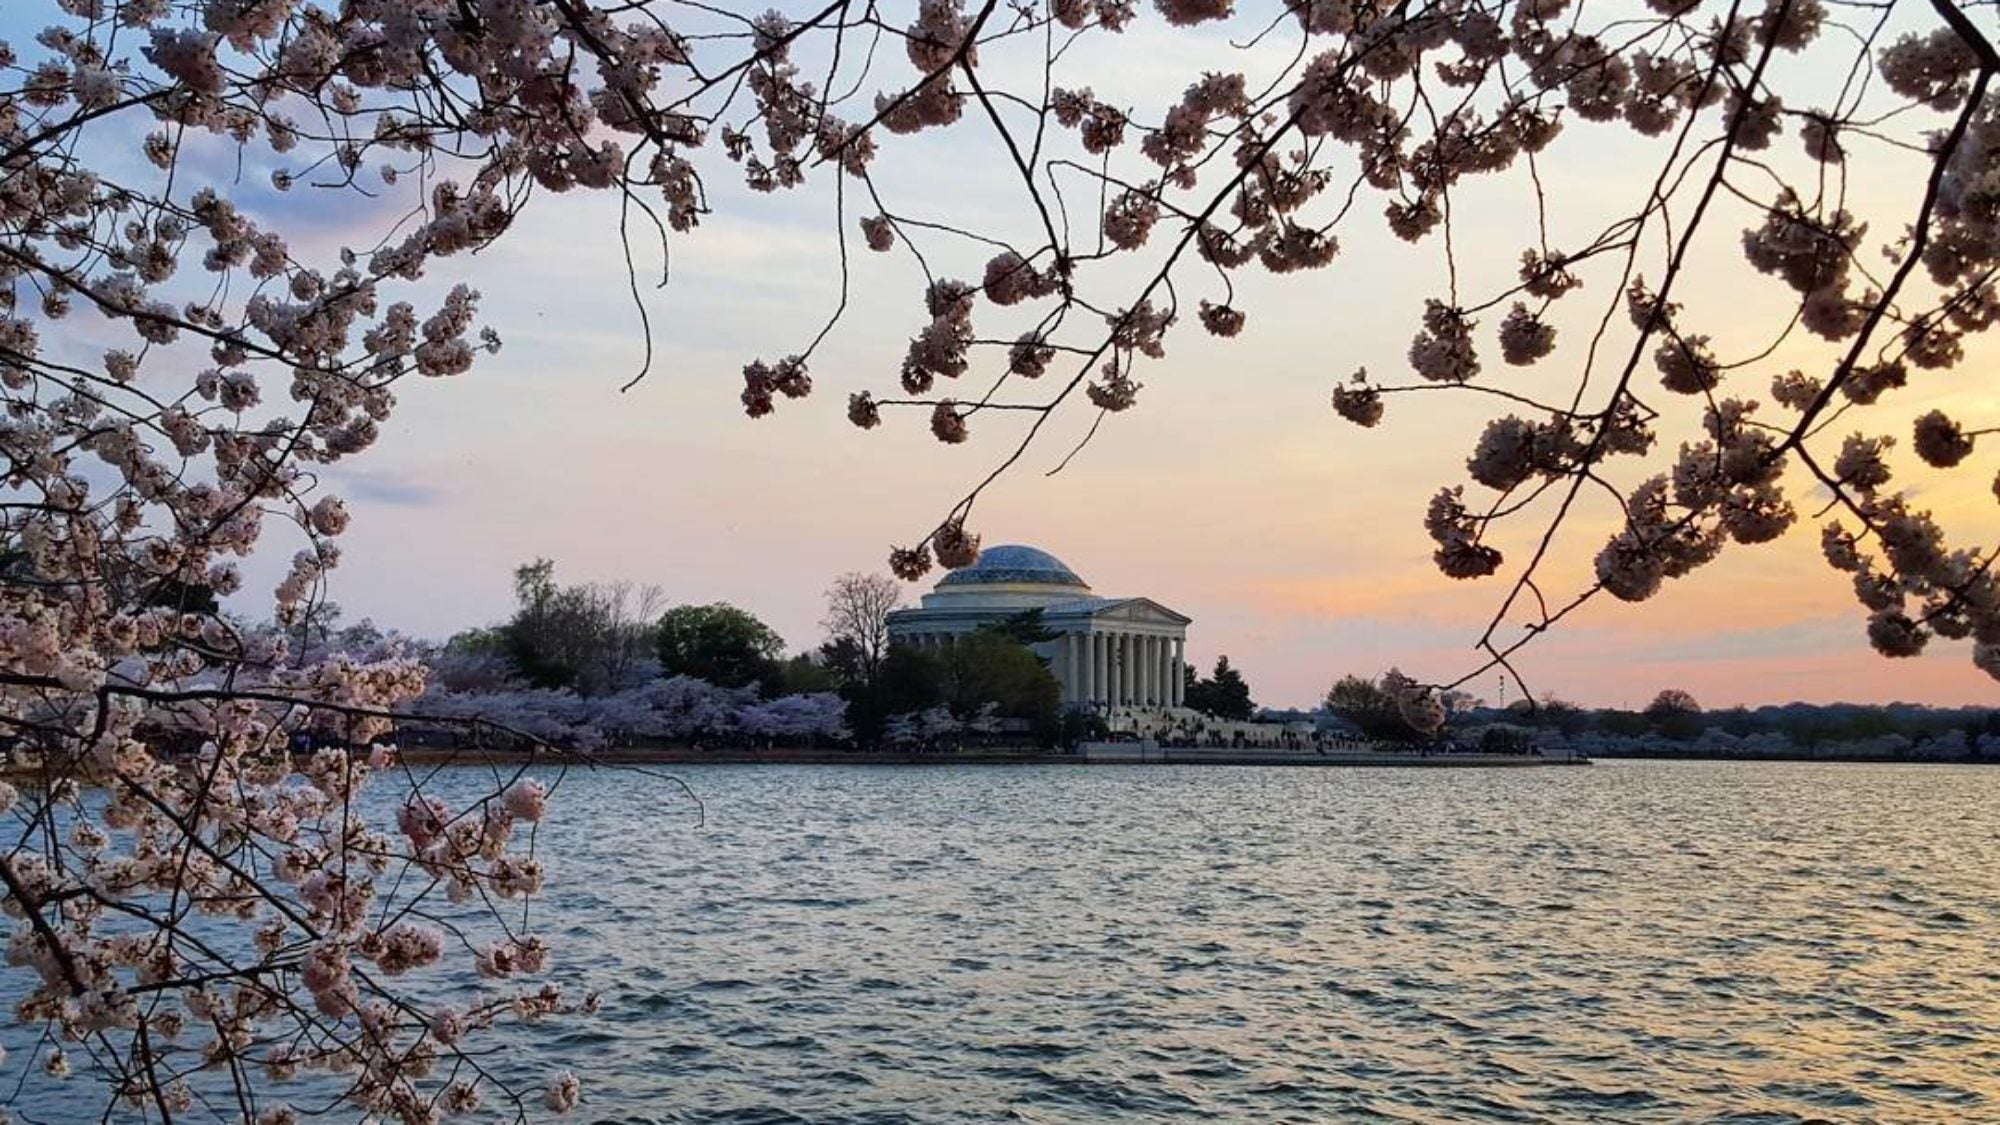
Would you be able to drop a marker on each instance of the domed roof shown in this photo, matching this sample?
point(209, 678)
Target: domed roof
point(1014, 563)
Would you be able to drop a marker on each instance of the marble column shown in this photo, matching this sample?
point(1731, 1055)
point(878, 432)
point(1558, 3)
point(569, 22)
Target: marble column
point(1180, 671)
point(1149, 689)
point(1122, 676)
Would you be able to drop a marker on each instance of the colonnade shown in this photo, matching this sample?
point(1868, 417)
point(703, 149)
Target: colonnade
point(1109, 669)
point(1113, 669)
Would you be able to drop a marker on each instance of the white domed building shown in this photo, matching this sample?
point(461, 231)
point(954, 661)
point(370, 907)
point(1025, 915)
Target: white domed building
point(1108, 653)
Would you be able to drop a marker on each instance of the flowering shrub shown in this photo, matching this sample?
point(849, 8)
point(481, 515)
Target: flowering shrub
point(177, 364)
point(676, 709)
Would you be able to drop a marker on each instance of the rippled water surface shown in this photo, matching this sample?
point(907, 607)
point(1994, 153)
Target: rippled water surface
point(1630, 942)
point(1633, 942)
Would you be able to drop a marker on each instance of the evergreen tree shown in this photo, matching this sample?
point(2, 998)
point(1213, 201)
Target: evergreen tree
point(1023, 628)
point(1224, 694)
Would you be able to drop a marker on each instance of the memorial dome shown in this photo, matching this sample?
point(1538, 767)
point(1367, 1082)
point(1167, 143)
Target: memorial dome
point(1012, 564)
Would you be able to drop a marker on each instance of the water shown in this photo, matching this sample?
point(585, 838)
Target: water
point(1632, 942)
point(1635, 941)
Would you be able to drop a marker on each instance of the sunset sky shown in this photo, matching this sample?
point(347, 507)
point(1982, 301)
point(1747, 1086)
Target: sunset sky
point(1232, 493)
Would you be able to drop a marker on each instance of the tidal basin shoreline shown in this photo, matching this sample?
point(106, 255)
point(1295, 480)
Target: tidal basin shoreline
point(1092, 754)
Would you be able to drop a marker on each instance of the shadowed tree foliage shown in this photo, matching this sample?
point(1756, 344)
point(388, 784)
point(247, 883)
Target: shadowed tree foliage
point(1550, 713)
point(185, 597)
point(474, 660)
point(590, 639)
point(1224, 694)
point(1364, 703)
point(845, 661)
point(801, 675)
point(1023, 628)
point(908, 680)
point(1077, 725)
point(1675, 714)
point(988, 666)
point(981, 668)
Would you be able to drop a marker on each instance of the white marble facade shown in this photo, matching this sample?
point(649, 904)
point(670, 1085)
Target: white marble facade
point(1108, 653)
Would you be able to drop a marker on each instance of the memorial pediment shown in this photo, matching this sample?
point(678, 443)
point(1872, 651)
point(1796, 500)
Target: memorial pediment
point(1139, 611)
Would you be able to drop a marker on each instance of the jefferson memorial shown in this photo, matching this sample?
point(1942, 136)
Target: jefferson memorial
point(1108, 653)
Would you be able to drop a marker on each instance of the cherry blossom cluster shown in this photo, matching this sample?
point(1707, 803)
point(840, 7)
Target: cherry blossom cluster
point(674, 709)
point(178, 365)
point(1421, 707)
point(181, 357)
point(1394, 109)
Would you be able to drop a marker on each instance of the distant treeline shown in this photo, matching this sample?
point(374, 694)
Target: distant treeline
point(1675, 725)
point(1795, 730)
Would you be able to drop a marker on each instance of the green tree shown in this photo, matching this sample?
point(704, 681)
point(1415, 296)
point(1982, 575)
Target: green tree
point(491, 641)
point(719, 643)
point(1224, 694)
point(988, 666)
point(909, 679)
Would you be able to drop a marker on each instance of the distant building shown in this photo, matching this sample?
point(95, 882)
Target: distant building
point(1108, 653)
